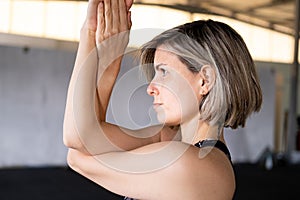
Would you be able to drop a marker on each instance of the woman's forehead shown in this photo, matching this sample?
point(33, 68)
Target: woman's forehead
point(167, 59)
point(162, 55)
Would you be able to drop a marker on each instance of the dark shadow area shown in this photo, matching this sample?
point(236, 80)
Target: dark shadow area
point(49, 184)
point(253, 182)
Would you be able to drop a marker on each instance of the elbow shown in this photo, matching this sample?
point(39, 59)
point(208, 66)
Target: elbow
point(71, 160)
point(70, 136)
point(74, 144)
point(67, 134)
point(78, 162)
point(71, 139)
point(67, 138)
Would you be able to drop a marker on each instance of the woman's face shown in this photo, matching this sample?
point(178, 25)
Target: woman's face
point(175, 89)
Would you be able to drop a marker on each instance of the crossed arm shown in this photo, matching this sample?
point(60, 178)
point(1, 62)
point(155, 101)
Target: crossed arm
point(91, 140)
point(106, 29)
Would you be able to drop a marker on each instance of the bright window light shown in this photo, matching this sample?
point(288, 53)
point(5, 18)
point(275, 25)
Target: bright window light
point(147, 22)
point(80, 17)
point(4, 15)
point(27, 17)
point(262, 43)
point(157, 17)
point(282, 47)
point(62, 20)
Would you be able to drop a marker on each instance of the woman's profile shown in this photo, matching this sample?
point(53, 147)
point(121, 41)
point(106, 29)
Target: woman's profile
point(202, 79)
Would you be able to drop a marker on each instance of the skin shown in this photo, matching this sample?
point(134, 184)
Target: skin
point(204, 173)
point(177, 93)
point(174, 89)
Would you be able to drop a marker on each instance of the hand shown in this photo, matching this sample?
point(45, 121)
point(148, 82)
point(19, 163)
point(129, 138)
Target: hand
point(91, 18)
point(128, 4)
point(113, 18)
point(112, 34)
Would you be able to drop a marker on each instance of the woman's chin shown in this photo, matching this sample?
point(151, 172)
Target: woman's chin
point(162, 119)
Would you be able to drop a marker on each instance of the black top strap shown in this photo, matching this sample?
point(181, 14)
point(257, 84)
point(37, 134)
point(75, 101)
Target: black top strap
point(214, 143)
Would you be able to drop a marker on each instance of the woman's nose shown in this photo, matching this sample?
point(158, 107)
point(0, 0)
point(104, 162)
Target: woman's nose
point(152, 89)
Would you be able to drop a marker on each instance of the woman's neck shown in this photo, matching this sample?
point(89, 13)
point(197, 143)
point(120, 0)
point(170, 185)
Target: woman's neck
point(196, 130)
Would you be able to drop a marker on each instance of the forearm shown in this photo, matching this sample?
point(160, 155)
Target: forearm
point(105, 86)
point(70, 133)
point(81, 122)
point(82, 131)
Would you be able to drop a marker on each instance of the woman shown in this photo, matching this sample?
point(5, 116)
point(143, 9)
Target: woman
point(202, 80)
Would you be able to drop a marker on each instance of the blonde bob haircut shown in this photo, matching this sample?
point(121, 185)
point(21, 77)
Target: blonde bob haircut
point(236, 92)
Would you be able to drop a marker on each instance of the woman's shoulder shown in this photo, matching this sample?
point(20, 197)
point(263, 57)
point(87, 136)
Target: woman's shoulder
point(194, 172)
point(205, 172)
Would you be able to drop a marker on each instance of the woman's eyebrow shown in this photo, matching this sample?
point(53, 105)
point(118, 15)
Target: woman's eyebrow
point(158, 65)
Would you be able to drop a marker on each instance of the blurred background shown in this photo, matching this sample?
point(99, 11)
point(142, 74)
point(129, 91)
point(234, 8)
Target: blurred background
point(38, 44)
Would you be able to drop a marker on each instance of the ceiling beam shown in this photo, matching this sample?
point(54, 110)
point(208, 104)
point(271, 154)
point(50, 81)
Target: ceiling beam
point(36, 42)
point(270, 4)
point(209, 7)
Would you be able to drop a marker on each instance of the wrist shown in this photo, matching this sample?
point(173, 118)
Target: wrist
point(87, 32)
point(87, 39)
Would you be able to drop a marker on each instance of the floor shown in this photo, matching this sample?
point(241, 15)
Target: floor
point(57, 183)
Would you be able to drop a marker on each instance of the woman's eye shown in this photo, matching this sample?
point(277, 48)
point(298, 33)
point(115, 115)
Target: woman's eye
point(163, 71)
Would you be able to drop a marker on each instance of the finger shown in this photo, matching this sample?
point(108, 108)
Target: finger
point(91, 16)
point(115, 15)
point(101, 23)
point(108, 16)
point(129, 20)
point(128, 4)
point(123, 15)
point(92, 8)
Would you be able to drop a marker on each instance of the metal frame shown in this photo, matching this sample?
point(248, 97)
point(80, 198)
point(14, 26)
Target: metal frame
point(292, 118)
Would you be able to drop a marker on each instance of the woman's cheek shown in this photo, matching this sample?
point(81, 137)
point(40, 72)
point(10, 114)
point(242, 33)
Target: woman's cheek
point(173, 111)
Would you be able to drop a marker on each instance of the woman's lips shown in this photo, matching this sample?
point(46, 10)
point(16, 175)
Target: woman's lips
point(156, 105)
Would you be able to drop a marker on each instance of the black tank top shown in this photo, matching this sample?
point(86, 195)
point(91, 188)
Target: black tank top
point(214, 143)
point(207, 143)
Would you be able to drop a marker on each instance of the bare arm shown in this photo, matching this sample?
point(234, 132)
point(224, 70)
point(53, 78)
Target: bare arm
point(84, 124)
point(86, 45)
point(164, 170)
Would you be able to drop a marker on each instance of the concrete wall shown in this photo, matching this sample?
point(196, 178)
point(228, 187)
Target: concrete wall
point(248, 143)
point(33, 86)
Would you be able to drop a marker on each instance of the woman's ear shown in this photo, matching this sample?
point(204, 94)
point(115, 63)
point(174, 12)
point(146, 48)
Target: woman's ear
point(207, 78)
